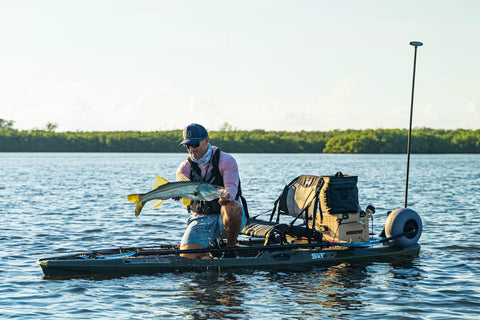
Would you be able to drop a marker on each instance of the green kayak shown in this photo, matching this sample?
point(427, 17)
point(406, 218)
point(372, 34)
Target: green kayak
point(329, 227)
point(123, 261)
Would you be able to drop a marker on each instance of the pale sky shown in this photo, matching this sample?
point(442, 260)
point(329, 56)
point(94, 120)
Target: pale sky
point(256, 64)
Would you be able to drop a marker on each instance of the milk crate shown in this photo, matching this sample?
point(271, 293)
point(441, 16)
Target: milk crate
point(349, 227)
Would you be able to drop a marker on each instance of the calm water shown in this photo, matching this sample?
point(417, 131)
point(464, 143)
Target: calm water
point(56, 203)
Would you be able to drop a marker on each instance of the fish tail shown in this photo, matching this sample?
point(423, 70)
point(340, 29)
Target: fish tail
point(133, 197)
point(138, 204)
point(138, 208)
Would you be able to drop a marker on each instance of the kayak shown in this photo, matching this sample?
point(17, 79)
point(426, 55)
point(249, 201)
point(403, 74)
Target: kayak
point(249, 254)
point(329, 227)
point(300, 251)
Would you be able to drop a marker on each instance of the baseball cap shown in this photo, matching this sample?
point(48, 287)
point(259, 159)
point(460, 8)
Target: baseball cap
point(194, 133)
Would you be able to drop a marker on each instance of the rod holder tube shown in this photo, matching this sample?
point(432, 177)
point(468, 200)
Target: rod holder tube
point(416, 44)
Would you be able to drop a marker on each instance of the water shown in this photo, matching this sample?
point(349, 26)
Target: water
point(55, 203)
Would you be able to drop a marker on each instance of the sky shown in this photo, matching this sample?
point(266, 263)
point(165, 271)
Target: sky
point(113, 65)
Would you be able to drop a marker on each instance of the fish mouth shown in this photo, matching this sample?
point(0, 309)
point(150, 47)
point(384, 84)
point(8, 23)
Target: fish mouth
point(215, 194)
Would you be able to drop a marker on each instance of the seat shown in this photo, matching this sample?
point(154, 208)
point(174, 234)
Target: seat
point(298, 199)
point(278, 233)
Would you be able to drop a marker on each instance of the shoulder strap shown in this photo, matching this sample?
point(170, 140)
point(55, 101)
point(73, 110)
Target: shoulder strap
point(214, 174)
point(195, 172)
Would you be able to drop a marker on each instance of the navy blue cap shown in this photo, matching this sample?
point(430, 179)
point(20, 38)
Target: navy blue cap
point(194, 133)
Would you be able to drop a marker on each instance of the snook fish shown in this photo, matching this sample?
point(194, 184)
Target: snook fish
point(187, 190)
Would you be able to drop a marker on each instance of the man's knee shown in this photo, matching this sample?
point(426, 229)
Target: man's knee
point(232, 210)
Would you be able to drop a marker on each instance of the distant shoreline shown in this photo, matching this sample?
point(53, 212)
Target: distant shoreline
point(370, 141)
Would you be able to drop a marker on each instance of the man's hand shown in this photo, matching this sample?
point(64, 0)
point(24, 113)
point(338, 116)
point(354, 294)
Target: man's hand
point(224, 199)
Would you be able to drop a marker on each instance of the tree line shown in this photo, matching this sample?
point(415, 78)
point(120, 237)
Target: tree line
point(424, 140)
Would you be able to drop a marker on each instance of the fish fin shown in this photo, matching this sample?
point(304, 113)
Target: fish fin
point(138, 204)
point(159, 181)
point(157, 203)
point(181, 177)
point(186, 201)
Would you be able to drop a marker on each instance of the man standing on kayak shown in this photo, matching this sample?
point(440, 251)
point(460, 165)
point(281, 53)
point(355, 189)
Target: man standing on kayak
point(209, 220)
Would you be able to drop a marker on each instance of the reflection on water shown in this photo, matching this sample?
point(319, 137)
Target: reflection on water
point(342, 286)
point(215, 296)
point(57, 203)
point(332, 292)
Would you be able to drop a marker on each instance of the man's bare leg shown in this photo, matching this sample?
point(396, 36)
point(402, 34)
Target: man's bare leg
point(232, 221)
point(231, 212)
point(189, 246)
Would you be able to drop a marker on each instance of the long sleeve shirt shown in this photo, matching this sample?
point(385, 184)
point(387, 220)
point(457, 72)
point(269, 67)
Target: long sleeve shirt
point(228, 169)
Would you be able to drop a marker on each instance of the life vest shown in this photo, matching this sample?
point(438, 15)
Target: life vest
point(212, 177)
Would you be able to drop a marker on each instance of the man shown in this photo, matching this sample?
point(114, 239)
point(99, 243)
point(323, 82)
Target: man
point(209, 220)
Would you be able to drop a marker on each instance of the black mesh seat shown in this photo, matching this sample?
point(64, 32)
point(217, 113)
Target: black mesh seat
point(298, 199)
point(278, 233)
point(258, 228)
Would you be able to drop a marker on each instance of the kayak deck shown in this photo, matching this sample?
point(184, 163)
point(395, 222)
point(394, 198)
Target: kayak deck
point(124, 261)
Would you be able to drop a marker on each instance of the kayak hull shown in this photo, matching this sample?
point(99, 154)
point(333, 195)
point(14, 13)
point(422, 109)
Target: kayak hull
point(126, 261)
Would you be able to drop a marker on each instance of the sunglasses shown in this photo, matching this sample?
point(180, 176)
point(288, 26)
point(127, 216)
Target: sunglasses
point(195, 145)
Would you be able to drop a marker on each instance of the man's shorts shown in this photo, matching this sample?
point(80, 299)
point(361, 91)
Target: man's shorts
point(203, 230)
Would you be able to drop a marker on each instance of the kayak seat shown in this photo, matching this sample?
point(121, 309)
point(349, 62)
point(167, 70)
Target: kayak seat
point(258, 228)
point(273, 232)
point(300, 200)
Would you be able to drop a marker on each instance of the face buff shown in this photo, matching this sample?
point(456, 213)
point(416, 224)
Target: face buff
point(206, 157)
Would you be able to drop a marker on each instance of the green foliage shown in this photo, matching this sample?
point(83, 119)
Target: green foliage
point(50, 126)
point(424, 140)
point(6, 124)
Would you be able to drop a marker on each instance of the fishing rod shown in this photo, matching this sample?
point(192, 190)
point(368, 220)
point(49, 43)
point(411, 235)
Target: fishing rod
point(135, 252)
point(415, 44)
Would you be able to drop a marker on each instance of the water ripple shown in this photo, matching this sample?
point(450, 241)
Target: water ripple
point(58, 203)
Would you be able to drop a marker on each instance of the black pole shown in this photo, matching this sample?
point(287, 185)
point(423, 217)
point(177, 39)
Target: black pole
point(415, 44)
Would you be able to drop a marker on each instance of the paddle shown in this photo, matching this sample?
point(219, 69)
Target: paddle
point(260, 248)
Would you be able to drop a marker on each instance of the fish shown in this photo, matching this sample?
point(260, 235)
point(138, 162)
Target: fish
point(187, 190)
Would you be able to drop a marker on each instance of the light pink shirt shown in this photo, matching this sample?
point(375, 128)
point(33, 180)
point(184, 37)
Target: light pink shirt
point(228, 169)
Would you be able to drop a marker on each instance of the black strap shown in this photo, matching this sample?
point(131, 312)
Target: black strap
point(316, 205)
point(242, 199)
